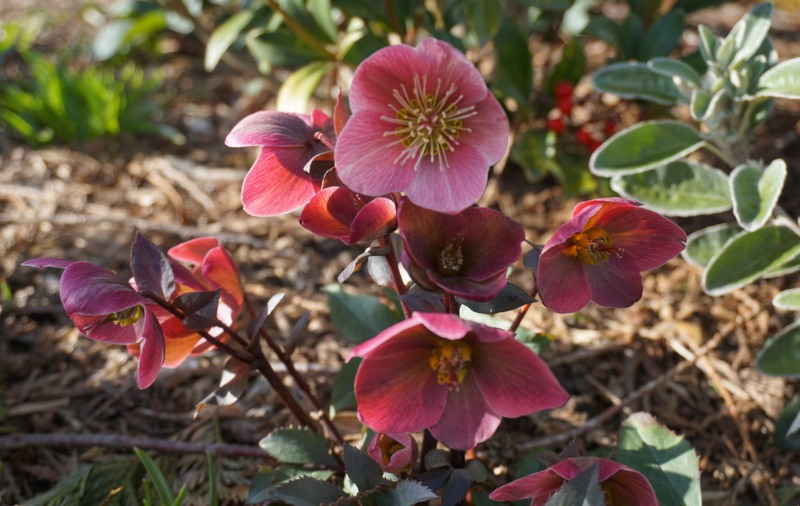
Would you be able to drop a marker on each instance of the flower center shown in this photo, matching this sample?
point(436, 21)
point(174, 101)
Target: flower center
point(591, 246)
point(389, 446)
point(126, 316)
point(451, 258)
point(427, 122)
point(451, 361)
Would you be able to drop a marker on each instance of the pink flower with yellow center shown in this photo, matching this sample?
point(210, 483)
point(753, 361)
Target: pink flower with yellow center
point(621, 485)
point(457, 378)
point(338, 213)
point(599, 254)
point(212, 268)
point(396, 453)
point(277, 183)
point(424, 123)
point(105, 308)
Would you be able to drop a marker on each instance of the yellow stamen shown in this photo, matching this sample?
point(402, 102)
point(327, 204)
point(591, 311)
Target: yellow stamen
point(451, 361)
point(591, 246)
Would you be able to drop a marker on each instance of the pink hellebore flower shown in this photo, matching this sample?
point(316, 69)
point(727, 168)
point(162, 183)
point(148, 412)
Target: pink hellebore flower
point(106, 308)
point(622, 485)
point(213, 268)
point(277, 183)
point(396, 453)
point(338, 213)
point(457, 378)
point(466, 254)
point(599, 254)
point(423, 122)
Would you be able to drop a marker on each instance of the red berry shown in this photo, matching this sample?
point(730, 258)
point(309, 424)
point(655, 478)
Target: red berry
point(564, 105)
point(594, 144)
point(584, 137)
point(564, 90)
point(609, 127)
point(556, 125)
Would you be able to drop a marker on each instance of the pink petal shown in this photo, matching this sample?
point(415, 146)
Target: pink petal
point(318, 218)
point(506, 371)
point(611, 288)
point(270, 128)
point(489, 129)
point(468, 289)
point(376, 77)
point(562, 281)
point(221, 270)
point(426, 233)
point(91, 290)
point(365, 158)
point(442, 61)
point(396, 389)
point(630, 488)
point(450, 189)
point(572, 467)
point(410, 326)
point(276, 184)
point(152, 352)
point(194, 250)
point(107, 332)
point(466, 420)
point(539, 485)
point(598, 202)
point(494, 241)
point(446, 326)
point(377, 218)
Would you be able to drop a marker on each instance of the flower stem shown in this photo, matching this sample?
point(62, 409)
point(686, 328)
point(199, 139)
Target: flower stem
point(397, 276)
point(523, 311)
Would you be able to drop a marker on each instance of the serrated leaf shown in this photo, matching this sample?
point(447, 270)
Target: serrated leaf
point(297, 89)
point(307, 491)
point(675, 68)
point(269, 479)
point(510, 297)
point(406, 493)
point(583, 490)
point(788, 300)
point(298, 446)
point(678, 189)
point(151, 269)
point(199, 309)
point(637, 80)
point(781, 354)
point(747, 256)
point(787, 426)
point(358, 317)
point(644, 146)
point(701, 246)
point(781, 81)
point(365, 472)
point(667, 461)
point(224, 36)
point(755, 192)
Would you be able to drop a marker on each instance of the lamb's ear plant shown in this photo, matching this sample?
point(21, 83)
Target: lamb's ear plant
point(727, 102)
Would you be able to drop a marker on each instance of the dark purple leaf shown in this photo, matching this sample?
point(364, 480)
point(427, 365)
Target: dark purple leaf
point(258, 322)
point(510, 297)
point(531, 258)
point(151, 269)
point(231, 385)
point(199, 308)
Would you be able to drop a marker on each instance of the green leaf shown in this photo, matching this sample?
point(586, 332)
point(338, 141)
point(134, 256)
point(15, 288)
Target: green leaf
point(791, 266)
point(708, 44)
point(583, 490)
point(576, 18)
point(604, 29)
point(749, 32)
point(365, 472)
point(787, 299)
point(224, 36)
point(787, 426)
point(755, 192)
point(307, 491)
point(534, 151)
point(637, 80)
point(675, 68)
point(678, 189)
point(781, 81)
point(781, 354)
point(704, 106)
point(514, 70)
point(536, 341)
point(269, 479)
point(297, 89)
point(213, 497)
point(702, 245)
point(358, 317)
point(298, 446)
point(662, 36)
point(160, 482)
point(644, 146)
point(343, 396)
point(667, 461)
point(748, 256)
point(407, 493)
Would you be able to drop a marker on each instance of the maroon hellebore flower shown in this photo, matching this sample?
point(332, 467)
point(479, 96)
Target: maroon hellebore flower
point(457, 378)
point(106, 308)
point(338, 213)
point(277, 183)
point(465, 254)
point(622, 485)
point(213, 268)
point(423, 122)
point(599, 254)
point(396, 453)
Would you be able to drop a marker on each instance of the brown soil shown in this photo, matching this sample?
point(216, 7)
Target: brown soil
point(85, 202)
